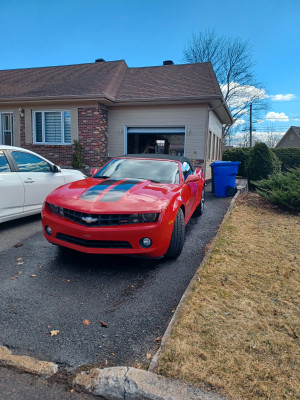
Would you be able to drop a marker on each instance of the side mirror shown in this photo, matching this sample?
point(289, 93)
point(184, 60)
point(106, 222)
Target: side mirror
point(94, 171)
point(56, 169)
point(191, 178)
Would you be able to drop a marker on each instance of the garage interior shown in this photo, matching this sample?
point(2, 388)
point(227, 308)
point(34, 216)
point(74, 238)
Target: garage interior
point(156, 140)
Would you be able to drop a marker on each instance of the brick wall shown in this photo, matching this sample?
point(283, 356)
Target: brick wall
point(92, 127)
point(92, 134)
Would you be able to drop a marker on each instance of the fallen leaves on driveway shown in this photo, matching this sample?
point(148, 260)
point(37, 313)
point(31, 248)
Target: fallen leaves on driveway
point(104, 324)
point(86, 322)
point(18, 244)
point(54, 333)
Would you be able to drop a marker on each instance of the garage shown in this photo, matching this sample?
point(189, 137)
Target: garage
point(158, 140)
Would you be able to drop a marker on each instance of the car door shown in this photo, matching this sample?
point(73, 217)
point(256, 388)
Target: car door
point(11, 191)
point(190, 189)
point(37, 177)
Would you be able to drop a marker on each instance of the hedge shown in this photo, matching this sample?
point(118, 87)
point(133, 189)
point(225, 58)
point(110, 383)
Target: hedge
point(289, 157)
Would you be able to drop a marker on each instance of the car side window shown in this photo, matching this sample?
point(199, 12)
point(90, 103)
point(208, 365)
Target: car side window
point(186, 169)
point(29, 163)
point(4, 166)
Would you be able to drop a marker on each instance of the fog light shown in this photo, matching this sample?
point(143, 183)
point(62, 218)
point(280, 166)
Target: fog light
point(48, 230)
point(145, 242)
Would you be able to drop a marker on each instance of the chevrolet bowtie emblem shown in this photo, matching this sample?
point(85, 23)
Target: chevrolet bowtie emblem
point(89, 220)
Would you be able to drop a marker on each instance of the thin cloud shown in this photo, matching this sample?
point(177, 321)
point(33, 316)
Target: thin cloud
point(282, 97)
point(273, 116)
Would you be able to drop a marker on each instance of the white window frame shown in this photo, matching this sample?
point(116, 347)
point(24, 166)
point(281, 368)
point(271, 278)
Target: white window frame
point(43, 142)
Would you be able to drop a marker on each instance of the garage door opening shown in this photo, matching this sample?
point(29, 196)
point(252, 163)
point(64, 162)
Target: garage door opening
point(156, 140)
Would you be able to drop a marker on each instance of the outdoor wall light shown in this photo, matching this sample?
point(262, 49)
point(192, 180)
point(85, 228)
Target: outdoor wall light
point(21, 112)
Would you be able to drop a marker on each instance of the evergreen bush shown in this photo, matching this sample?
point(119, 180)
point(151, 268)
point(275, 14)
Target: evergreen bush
point(261, 163)
point(282, 189)
point(78, 159)
point(290, 157)
point(238, 154)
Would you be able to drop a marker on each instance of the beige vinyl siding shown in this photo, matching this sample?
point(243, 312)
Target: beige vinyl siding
point(214, 142)
point(192, 117)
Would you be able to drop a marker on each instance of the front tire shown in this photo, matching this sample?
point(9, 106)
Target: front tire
point(178, 235)
point(200, 208)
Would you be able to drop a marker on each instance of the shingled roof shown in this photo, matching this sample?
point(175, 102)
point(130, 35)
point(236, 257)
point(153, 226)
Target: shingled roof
point(113, 82)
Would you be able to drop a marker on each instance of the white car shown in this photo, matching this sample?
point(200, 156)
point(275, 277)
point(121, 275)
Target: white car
point(26, 178)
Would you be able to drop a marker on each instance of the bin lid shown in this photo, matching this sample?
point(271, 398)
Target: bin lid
point(224, 163)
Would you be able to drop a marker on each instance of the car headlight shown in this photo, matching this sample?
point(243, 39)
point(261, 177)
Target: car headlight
point(56, 209)
point(138, 218)
point(149, 217)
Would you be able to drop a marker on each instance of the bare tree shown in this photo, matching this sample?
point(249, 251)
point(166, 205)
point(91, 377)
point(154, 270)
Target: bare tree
point(233, 64)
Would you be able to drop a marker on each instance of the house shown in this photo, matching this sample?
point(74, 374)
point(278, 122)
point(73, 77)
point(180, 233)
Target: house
point(290, 139)
point(112, 109)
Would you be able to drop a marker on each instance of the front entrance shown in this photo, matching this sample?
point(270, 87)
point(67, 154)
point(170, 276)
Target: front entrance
point(7, 128)
point(156, 140)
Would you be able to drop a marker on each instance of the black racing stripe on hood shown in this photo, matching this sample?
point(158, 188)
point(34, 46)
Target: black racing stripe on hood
point(92, 193)
point(118, 191)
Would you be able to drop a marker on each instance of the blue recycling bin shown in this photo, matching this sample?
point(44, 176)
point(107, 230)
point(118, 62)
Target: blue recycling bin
point(224, 177)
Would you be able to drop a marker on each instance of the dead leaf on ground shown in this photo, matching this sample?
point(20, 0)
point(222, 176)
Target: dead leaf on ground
point(148, 356)
point(19, 259)
point(54, 333)
point(21, 263)
point(86, 322)
point(18, 244)
point(32, 276)
point(106, 362)
point(68, 280)
point(14, 277)
point(158, 339)
point(104, 324)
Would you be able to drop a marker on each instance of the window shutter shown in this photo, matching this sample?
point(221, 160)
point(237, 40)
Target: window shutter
point(38, 127)
point(67, 127)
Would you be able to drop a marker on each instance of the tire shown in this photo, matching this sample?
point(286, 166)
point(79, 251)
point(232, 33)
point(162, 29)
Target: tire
point(200, 208)
point(178, 235)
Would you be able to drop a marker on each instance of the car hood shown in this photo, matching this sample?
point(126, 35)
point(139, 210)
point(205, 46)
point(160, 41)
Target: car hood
point(111, 196)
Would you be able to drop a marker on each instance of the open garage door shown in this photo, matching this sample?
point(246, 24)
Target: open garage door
point(158, 140)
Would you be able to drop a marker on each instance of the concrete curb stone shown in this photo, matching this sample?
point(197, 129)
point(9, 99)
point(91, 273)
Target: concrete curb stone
point(26, 363)
point(122, 383)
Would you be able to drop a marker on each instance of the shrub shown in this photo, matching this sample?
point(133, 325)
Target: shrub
point(238, 154)
point(282, 189)
point(290, 157)
point(261, 163)
point(78, 159)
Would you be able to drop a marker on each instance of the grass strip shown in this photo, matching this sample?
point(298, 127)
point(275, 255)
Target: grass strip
point(239, 329)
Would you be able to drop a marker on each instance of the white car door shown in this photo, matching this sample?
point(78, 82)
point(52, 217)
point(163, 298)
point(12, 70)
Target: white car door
point(11, 191)
point(37, 177)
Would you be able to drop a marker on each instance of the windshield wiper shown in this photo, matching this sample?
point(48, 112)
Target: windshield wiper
point(101, 177)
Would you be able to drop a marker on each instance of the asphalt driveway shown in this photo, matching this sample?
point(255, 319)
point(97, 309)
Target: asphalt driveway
point(44, 290)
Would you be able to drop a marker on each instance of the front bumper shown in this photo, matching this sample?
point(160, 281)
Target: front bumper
point(124, 239)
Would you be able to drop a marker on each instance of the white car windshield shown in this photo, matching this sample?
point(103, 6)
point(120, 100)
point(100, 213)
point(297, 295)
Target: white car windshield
point(152, 170)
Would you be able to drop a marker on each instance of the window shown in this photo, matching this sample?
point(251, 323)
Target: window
point(186, 169)
point(52, 127)
point(29, 163)
point(4, 167)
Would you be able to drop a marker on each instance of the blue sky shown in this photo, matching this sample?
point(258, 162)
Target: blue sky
point(36, 33)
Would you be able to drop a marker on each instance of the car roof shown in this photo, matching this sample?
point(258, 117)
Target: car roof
point(5, 147)
point(158, 157)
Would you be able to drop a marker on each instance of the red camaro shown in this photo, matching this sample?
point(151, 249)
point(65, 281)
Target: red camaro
point(135, 204)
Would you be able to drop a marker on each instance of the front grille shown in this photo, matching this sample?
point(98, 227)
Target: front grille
point(99, 244)
point(96, 219)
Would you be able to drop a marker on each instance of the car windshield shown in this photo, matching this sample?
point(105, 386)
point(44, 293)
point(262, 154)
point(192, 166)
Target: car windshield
point(152, 170)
